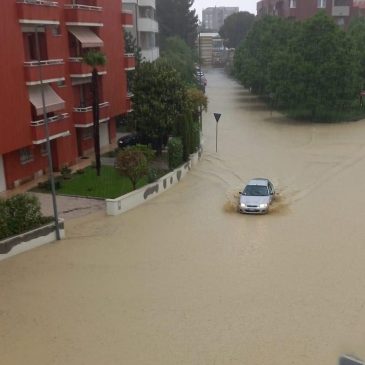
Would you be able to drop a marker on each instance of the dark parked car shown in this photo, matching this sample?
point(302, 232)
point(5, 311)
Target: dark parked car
point(129, 140)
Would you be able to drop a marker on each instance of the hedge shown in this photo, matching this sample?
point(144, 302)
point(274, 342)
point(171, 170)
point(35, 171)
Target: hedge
point(19, 214)
point(175, 148)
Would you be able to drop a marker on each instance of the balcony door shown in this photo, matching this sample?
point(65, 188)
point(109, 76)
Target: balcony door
point(2, 175)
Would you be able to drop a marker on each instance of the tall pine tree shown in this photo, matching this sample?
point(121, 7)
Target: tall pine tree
point(176, 18)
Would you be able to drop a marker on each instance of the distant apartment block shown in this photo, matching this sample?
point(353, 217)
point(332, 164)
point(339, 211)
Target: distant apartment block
point(341, 10)
point(145, 29)
point(213, 18)
point(60, 33)
point(211, 49)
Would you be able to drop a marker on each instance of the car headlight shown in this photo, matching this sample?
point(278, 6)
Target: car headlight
point(243, 205)
point(263, 206)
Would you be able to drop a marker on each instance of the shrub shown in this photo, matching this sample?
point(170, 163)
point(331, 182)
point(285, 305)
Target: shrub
point(175, 149)
point(152, 175)
point(195, 137)
point(19, 214)
point(66, 172)
point(133, 164)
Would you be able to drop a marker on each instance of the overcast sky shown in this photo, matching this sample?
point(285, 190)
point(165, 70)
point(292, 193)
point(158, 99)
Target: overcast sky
point(244, 5)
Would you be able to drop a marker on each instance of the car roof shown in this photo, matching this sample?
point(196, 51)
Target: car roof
point(258, 181)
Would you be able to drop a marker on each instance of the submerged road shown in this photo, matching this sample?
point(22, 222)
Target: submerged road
point(184, 279)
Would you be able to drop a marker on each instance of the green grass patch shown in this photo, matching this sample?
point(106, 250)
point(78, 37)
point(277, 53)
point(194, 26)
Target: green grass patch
point(110, 184)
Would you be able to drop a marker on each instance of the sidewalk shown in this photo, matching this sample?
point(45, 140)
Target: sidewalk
point(68, 207)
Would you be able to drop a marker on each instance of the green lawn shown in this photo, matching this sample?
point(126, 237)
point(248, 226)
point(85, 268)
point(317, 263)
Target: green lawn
point(108, 185)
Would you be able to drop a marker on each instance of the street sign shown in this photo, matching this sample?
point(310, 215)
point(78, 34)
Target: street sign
point(217, 116)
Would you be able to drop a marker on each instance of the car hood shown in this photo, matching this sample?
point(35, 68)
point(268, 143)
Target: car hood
point(254, 200)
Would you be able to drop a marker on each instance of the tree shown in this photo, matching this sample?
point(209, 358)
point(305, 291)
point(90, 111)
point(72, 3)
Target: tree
point(133, 164)
point(158, 98)
point(268, 36)
point(357, 34)
point(236, 27)
point(178, 54)
point(327, 75)
point(176, 18)
point(95, 59)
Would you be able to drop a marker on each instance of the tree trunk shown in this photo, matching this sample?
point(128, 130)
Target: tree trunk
point(95, 92)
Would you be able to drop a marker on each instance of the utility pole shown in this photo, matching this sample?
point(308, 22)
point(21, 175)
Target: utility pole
point(48, 142)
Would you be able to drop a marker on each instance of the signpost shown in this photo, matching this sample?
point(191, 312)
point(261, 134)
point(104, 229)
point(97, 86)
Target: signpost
point(217, 117)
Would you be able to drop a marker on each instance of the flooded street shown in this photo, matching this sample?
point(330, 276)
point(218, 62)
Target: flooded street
point(185, 280)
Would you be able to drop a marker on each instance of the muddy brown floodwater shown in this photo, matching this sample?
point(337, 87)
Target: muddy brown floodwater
point(186, 280)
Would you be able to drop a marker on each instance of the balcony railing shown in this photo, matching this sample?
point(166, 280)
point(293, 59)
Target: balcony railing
point(129, 61)
point(38, 11)
point(83, 15)
point(83, 116)
point(57, 125)
point(80, 69)
point(56, 118)
point(52, 70)
point(127, 18)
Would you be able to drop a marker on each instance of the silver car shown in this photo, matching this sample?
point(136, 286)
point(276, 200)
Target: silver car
point(256, 197)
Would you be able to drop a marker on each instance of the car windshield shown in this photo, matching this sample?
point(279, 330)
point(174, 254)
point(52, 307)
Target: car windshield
point(256, 190)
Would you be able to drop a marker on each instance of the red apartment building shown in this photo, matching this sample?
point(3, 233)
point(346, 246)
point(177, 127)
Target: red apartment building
point(341, 10)
point(66, 30)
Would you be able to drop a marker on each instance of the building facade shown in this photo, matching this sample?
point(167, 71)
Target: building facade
point(213, 17)
point(145, 29)
point(58, 33)
point(341, 10)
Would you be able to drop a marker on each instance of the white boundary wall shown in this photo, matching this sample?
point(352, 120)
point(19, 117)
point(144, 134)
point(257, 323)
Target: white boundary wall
point(33, 239)
point(137, 197)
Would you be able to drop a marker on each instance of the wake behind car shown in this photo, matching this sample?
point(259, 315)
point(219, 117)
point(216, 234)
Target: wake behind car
point(256, 197)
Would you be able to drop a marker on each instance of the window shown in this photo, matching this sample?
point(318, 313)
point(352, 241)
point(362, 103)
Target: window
point(26, 156)
point(321, 4)
point(44, 149)
point(56, 31)
point(341, 3)
point(87, 133)
point(293, 4)
point(61, 83)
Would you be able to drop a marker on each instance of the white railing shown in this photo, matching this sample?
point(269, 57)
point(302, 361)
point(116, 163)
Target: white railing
point(56, 118)
point(43, 63)
point(90, 108)
point(38, 2)
point(76, 59)
point(129, 55)
point(83, 7)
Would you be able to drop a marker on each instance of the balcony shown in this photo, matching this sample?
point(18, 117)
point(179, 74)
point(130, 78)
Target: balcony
point(52, 70)
point(83, 117)
point(127, 18)
point(129, 61)
point(38, 12)
point(57, 127)
point(147, 25)
point(80, 69)
point(341, 11)
point(86, 15)
point(150, 54)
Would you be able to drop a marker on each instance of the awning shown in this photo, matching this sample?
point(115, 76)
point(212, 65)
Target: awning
point(86, 36)
point(52, 100)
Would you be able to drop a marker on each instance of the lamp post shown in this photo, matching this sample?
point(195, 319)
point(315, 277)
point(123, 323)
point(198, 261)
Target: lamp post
point(48, 142)
point(200, 82)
